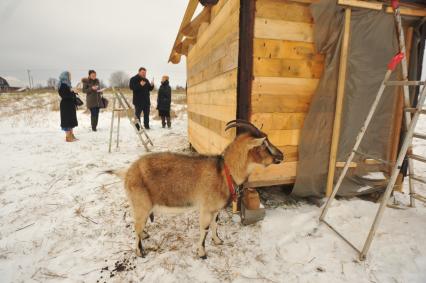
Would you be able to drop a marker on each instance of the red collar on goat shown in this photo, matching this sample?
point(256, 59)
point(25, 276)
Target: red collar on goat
point(230, 183)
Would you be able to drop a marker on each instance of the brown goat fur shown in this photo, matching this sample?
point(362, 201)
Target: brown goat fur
point(171, 180)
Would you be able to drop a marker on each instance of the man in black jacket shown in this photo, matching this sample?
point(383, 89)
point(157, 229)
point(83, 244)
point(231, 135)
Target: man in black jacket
point(141, 88)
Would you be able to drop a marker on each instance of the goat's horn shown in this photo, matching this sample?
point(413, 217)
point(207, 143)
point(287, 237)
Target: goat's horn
point(248, 127)
point(239, 121)
point(245, 124)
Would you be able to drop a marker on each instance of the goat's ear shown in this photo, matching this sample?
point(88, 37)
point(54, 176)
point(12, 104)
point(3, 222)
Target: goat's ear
point(255, 142)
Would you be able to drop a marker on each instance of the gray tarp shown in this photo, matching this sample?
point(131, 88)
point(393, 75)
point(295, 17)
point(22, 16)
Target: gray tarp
point(372, 44)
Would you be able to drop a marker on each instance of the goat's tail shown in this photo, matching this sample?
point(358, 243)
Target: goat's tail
point(120, 173)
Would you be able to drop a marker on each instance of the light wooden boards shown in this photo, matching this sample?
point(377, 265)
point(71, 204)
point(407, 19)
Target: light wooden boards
point(212, 79)
point(284, 86)
point(216, 50)
point(283, 10)
point(339, 102)
point(409, 11)
point(286, 74)
point(286, 30)
point(190, 10)
point(283, 173)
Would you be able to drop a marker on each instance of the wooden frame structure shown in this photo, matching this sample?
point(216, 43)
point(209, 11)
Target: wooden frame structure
point(256, 60)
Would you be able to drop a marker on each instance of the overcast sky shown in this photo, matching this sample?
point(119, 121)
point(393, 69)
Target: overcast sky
point(49, 36)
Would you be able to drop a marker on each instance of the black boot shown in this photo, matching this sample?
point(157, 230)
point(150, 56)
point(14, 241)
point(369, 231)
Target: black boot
point(169, 123)
point(94, 122)
point(163, 121)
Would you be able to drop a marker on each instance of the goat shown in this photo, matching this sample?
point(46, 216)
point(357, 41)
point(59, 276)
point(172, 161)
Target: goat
point(161, 181)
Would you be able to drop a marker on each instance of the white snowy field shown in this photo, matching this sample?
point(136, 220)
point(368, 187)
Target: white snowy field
point(61, 220)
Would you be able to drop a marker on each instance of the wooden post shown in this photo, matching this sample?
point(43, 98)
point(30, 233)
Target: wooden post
point(245, 59)
point(112, 124)
point(339, 102)
point(399, 112)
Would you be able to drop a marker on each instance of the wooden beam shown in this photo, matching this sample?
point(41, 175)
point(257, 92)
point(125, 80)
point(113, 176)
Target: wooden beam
point(407, 11)
point(183, 47)
point(190, 10)
point(339, 102)
point(341, 164)
point(191, 29)
point(276, 174)
point(395, 136)
point(361, 4)
point(245, 58)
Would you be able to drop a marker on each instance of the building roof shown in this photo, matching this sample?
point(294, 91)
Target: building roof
point(14, 82)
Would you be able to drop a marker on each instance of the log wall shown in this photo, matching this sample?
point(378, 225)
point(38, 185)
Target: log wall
point(286, 73)
point(212, 65)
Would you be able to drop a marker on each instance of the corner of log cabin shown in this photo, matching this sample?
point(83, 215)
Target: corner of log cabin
point(212, 66)
point(286, 72)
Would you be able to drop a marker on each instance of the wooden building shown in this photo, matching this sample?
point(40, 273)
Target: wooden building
point(252, 60)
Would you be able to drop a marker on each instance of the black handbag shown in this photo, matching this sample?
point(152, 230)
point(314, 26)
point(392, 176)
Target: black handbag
point(78, 101)
point(104, 102)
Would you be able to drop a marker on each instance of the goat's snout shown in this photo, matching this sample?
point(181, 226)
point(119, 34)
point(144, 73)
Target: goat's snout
point(277, 155)
point(278, 158)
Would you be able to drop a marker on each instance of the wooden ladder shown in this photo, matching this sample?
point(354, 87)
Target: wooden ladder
point(124, 105)
point(411, 116)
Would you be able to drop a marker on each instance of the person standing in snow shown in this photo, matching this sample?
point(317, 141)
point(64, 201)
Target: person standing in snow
point(91, 88)
point(141, 88)
point(164, 100)
point(68, 108)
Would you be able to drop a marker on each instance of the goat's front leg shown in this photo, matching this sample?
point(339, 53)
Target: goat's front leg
point(205, 220)
point(216, 239)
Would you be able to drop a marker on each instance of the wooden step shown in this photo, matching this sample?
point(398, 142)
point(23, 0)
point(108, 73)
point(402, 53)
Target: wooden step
point(414, 110)
point(419, 136)
point(417, 157)
point(418, 179)
point(419, 197)
point(403, 83)
point(369, 156)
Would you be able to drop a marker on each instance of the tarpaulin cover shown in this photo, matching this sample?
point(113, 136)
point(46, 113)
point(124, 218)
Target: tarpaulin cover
point(372, 44)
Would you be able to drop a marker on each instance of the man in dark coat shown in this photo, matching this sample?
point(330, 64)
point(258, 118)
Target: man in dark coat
point(91, 87)
point(164, 100)
point(141, 88)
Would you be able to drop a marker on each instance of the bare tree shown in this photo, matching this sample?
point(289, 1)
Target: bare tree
point(179, 88)
point(119, 79)
point(52, 82)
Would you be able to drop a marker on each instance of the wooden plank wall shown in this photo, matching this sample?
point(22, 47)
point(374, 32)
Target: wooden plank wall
point(286, 73)
point(212, 79)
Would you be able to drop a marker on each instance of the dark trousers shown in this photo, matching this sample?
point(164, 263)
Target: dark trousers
point(94, 117)
point(145, 109)
point(165, 116)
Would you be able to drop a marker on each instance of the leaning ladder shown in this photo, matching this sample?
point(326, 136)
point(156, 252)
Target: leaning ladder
point(410, 122)
point(124, 105)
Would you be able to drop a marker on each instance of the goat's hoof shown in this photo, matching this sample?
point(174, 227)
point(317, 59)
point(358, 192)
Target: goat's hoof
point(203, 257)
point(140, 253)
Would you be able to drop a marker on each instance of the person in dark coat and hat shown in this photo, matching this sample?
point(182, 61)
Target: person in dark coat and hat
point(141, 88)
point(68, 108)
point(164, 100)
point(91, 87)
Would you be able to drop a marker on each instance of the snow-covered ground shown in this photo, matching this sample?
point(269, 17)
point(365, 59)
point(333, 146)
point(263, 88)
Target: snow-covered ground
point(63, 221)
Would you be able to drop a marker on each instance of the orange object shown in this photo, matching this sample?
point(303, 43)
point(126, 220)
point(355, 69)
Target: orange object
point(251, 199)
